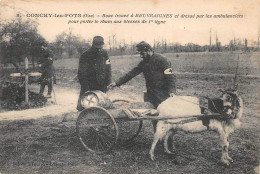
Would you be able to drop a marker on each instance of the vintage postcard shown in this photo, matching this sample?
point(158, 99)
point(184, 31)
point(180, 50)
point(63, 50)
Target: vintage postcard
point(99, 86)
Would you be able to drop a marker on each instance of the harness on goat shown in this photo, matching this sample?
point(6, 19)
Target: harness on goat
point(216, 105)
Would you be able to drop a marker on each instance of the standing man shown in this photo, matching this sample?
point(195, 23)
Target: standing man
point(158, 74)
point(94, 72)
point(48, 72)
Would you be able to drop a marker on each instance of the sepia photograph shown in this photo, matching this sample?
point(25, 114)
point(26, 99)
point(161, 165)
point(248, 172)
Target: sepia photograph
point(138, 87)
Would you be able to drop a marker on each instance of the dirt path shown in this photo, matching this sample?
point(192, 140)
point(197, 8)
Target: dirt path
point(66, 101)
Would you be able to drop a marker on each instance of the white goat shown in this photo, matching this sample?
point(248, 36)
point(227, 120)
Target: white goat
point(187, 106)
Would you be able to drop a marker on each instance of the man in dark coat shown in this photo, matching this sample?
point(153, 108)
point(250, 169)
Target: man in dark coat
point(94, 72)
point(47, 70)
point(158, 74)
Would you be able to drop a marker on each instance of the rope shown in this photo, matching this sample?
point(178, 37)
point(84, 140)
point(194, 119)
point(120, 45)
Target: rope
point(213, 105)
point(194, 103)
point(235, 78)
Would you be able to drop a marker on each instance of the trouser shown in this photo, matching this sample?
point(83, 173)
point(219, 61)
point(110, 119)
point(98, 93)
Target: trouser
point(43, 84)
point(155, 102)
point(83, 89)
point(148, 97)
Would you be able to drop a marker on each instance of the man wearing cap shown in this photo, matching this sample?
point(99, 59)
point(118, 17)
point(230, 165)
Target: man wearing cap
point(94, 72)
point(48, 76)
point(157, 70)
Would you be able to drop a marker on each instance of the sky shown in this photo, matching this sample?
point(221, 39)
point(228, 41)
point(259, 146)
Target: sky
point(186, 29)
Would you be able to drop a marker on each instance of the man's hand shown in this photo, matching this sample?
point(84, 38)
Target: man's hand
point(111, 86)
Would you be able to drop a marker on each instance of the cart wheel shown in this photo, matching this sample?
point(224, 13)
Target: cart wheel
point(97, 130)
point(128, 130)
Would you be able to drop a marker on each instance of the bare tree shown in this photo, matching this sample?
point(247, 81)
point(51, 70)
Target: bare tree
point(19, 39)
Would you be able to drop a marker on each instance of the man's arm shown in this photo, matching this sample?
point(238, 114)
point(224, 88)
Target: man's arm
point(80, 69)
point(54, 74)
point(170, 78)
point(108, 69)
point(131, 74)
point(46, 63)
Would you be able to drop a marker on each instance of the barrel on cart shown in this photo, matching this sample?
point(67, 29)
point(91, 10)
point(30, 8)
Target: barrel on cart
point(104, 123)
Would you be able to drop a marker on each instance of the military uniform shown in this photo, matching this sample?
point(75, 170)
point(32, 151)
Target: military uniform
point(48, 72)
point(160, 80)
point(94, 71)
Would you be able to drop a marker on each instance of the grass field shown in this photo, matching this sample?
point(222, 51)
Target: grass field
point(47, 145)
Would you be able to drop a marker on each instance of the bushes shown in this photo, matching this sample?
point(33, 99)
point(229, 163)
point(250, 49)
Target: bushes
point(13, 97)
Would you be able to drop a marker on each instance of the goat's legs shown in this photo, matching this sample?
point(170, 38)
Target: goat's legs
point(161, 130)
point(166, 146)
point(155, 141)
point(225, 158)
point(154, 122)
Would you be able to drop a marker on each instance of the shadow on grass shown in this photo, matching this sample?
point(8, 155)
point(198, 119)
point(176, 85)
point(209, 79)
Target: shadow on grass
point(49, 145)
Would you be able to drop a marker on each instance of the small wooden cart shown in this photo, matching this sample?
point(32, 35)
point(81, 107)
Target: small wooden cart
point(103, 124)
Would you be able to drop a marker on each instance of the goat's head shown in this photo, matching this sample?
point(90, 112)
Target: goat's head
point(232, 103)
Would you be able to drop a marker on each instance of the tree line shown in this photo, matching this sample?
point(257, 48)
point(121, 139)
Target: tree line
point(20, 38)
